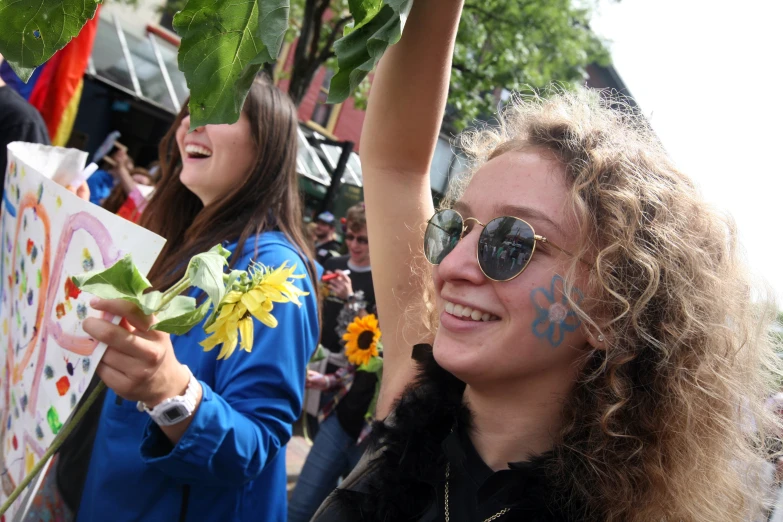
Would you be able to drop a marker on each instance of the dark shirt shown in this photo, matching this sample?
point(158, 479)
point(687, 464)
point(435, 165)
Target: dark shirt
point(353, 406)
point(327, 250)
point(19, 121)
point(405, 479)
point(361, 282)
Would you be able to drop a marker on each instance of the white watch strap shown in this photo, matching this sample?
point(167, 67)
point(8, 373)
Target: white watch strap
point(187, 400)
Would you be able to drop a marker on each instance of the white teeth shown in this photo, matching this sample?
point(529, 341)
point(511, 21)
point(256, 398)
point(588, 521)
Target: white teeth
point(192, 148)
point(468, 312)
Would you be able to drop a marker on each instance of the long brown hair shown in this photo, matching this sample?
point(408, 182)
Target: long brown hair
point(267, 199)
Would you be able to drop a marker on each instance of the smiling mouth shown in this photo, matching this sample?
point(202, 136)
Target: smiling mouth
point(197, 151)
point(467, 313)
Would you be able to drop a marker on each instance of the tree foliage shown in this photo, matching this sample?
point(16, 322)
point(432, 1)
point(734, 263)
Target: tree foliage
point(501, 44)
point(518, 45)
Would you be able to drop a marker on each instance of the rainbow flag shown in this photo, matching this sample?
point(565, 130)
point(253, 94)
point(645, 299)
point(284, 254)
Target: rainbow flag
point(56, 87)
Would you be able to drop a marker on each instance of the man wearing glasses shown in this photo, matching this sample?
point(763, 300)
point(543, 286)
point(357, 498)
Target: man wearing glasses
point(345, 393)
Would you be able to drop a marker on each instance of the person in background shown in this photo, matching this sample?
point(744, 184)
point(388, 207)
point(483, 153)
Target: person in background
point(106, 178)
point(130, 196)
point(326, 245)
point(19, 121)
point(223, 455)
point(346, 394)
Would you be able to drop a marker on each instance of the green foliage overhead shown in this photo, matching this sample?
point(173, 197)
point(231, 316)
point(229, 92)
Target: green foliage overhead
point(518, 45)
point(358, 51)
point(501, 44)
point(32, 31)
point(221, 52)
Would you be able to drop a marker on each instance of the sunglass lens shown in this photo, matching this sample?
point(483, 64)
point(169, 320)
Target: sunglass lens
point(442, 235)
point(505, 246)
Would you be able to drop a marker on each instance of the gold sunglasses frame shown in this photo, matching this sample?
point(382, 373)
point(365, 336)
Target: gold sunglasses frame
point(536, 239)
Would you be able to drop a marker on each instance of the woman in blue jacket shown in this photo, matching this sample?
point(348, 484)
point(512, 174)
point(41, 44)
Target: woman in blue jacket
point(223, 456)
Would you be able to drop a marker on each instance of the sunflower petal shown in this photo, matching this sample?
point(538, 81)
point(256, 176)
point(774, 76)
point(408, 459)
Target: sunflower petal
point(266, 318)
point(229, 345)
point(246, 334)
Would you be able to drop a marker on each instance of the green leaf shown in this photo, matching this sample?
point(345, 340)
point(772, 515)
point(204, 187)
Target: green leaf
point(181, 315)
point(150, 302)
point(362, 12)
point(205, 271)
point(374, 365)
point(359, 51)
point(370, 414)
point(221, 52)
point(32, 31)
point(273, 24)
point(319, 354)
point(235, 277)
point(122, 280)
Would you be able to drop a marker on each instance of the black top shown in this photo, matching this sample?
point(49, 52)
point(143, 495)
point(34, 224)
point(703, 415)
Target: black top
point(352, 408)
point(327, 250)
point(334, 323)
point(405, 479)
point(19, 121)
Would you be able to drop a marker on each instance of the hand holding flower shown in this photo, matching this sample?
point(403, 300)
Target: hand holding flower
point(316, 381)
point(139, 363)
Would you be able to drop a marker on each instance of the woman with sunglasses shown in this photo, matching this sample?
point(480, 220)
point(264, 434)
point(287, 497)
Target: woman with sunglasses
point(595, 355)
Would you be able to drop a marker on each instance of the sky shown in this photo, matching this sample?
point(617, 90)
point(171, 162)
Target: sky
point(708, 76)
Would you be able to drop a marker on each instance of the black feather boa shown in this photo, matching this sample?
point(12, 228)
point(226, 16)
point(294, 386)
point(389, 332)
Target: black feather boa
point(400, 483)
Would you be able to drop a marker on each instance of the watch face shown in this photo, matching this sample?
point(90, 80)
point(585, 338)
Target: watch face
point(175, 413)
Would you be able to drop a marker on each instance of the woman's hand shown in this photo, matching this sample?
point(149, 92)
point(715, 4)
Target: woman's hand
point(341, 286)
point(83, 191)
point(139, 364)
point(316, 381)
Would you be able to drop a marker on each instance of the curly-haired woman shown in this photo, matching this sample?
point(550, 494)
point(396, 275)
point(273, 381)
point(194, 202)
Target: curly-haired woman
point(595, 351)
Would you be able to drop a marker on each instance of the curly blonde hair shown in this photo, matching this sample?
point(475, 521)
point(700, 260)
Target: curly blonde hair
point(667, 421)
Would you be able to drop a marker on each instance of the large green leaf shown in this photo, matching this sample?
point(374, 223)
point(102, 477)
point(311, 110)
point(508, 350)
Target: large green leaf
point(180, 315)
point(31, 31)
point(359, 50)
point(206, 272)
point(122, 280)
point(221, 52)
point(362, 12)
point(273, 24)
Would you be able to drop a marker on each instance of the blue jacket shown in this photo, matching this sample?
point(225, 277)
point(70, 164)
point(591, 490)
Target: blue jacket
point(230, 463)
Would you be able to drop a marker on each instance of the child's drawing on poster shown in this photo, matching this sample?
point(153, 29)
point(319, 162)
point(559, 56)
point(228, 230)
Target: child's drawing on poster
point(48, 235)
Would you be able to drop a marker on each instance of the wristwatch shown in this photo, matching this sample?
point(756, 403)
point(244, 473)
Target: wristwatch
point(176, 409)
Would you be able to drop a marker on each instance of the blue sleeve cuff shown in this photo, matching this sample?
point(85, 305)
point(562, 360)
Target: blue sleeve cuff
point(190, 455)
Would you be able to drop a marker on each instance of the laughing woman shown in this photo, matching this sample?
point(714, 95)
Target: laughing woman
point(594, 352)
point(224, 457)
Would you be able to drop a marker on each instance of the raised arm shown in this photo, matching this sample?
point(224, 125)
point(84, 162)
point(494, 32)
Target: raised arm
point(404, 115)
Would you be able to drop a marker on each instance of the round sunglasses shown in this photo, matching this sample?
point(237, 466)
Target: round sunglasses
point(504, 249)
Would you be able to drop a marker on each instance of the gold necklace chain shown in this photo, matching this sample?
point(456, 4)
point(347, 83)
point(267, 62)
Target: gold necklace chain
point(446, 502)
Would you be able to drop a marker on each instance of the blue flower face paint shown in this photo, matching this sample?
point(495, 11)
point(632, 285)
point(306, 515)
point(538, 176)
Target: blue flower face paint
point(554, 317)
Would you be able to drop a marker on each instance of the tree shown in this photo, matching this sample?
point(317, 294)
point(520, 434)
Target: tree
point(501, 44)
point(511, 44)
point(518, 45)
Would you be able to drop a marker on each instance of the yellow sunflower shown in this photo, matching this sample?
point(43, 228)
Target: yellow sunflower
point(234, 321)
point(361, 340)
